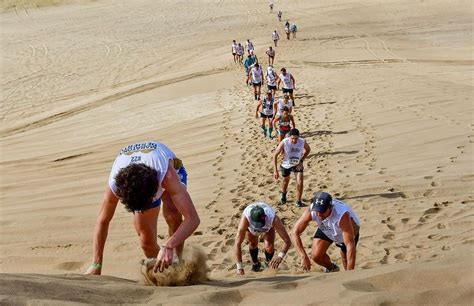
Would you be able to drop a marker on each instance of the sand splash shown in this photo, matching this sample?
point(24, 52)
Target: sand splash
point(190, 271)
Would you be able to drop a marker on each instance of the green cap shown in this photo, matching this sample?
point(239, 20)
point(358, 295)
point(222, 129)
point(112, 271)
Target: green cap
point(257, 216)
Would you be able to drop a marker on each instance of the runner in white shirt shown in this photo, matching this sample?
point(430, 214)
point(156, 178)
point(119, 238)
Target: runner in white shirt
point(250, 47)
point(275, 37)
point(255, 77)
point(142, 175)
point(295, 150)
point(288, 83)
point(265, 108)
point(338, 223)
point(271, 55)
point(287, 30)
point(272, 79)
point(234, 51)
point(259, 219)
point(240, 53)
point(282, 103)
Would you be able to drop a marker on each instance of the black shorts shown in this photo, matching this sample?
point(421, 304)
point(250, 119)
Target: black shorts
point(257, 84)
point(320, 235)
point(286, 90)
point(233, 53)
point(262, 115)
point(271, 87)
point(285, 172)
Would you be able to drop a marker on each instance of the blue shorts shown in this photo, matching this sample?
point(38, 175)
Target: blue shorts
point(183, 176)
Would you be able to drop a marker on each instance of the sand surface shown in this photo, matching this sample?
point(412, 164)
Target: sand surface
point(384, 99)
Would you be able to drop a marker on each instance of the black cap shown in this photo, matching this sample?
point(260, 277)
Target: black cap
point(257, 216)
point(321, 201)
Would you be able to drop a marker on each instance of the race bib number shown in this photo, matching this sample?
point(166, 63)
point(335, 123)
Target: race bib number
point(294, 161)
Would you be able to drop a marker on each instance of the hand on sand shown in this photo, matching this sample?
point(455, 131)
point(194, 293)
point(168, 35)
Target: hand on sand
point(275, 263)
point(276, 175)
point(164, 259)
point(240, 272)
point(306, 264)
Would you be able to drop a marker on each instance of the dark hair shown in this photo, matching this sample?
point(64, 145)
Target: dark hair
point(136, 186)
point(285, 109)
point(283, 69)
point(294, 132)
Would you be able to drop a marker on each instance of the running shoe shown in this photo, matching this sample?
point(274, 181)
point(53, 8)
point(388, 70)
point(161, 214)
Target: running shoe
point(256, 267)
point(300, 204)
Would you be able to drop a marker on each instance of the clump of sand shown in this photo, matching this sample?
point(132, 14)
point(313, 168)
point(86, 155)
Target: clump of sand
point(190, 271)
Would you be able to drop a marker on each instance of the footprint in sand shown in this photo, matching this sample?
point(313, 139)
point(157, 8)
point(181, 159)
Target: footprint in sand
point(400, 256)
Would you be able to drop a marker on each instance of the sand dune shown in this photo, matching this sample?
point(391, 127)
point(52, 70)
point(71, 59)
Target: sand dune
point(414, 285)
point(384, 98)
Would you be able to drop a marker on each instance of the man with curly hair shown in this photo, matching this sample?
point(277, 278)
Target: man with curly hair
point(143, 176)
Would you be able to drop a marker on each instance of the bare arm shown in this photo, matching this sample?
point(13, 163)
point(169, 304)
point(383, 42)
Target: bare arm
point(242, 229)
point(307, 149)
point(348, 236)
point(274, 122)
point(278, 151)
point(280, 228)
point(293, 79)
point(181, 199)
point(298, 229)
point(294, 125)
point(107, 210)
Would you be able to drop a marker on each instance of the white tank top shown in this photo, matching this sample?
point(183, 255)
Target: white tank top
point(271, 77)
point(330, 226)
point(275, 36)
point(282, 104)
point(270, 52)
point(234, 48)
point(153, 154)
point(249, 46)
point(286, 79)
point(269, 216)
point(256, 74)
point(293, 152)
point(267, 106)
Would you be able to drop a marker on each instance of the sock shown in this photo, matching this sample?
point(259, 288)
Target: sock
point(254, 255)
point(256, 97)
point(269, 256)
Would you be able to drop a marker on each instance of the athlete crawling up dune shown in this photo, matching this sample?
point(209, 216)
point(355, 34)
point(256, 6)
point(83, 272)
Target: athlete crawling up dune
point(143, 175)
